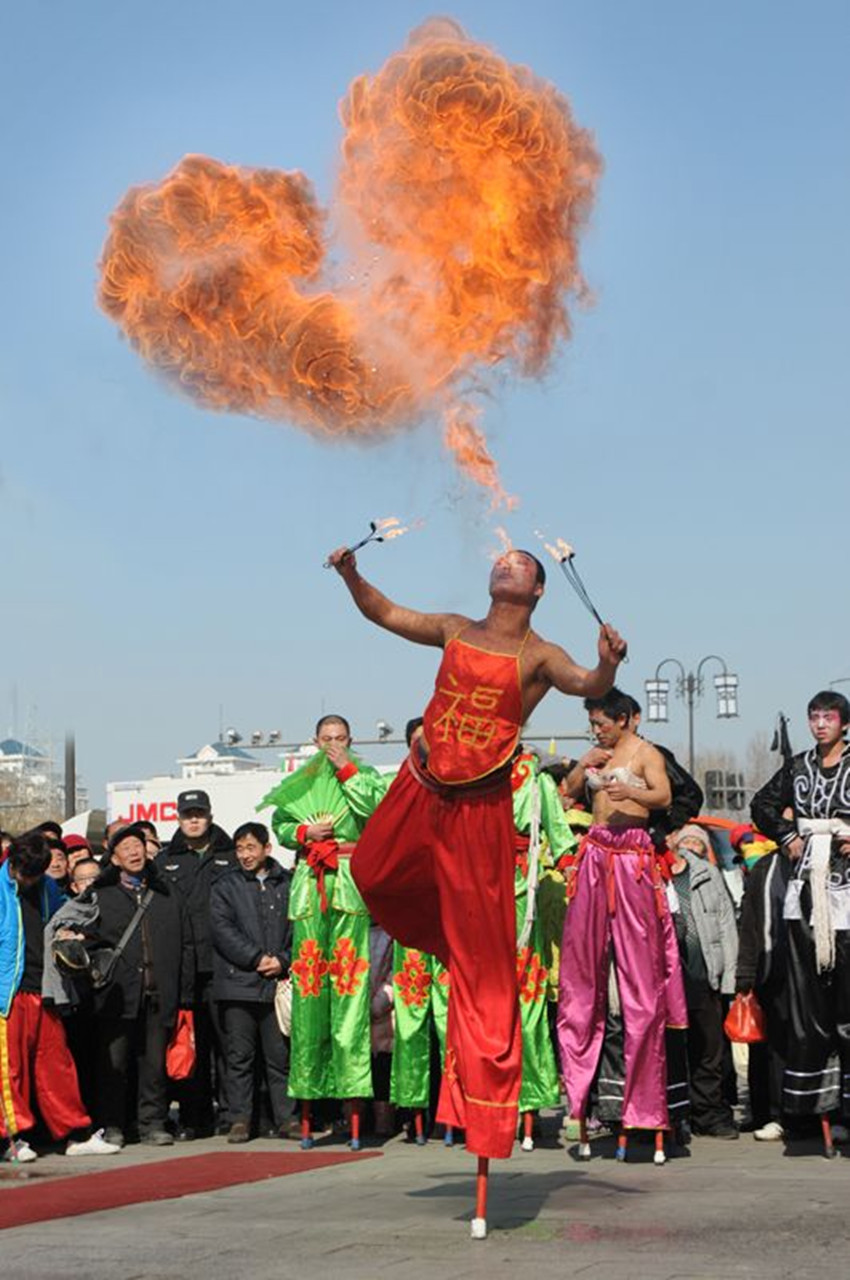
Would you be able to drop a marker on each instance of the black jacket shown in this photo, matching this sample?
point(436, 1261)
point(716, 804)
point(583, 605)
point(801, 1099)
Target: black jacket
point(686, 797)
point(163, 931)
point(193, 876)
point(249, 920)
point(762, 957)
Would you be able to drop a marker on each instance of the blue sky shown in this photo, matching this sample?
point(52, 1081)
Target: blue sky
point(692, 443)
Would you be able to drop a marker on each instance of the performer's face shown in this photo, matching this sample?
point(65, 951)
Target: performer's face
point(606, 732)
point(333, 734)
point(826, 727)
point(514, 577)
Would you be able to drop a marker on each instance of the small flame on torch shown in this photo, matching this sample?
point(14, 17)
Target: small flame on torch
point(382, 530)
point(561, 551)
point(506, 544)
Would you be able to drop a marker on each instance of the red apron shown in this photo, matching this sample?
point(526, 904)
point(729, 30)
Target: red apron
point(472, 723)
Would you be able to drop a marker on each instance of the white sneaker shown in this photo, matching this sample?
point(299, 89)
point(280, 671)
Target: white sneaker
point(840, 1134)
point(96, 1145)
point(771, 1132)
point(22, 1153)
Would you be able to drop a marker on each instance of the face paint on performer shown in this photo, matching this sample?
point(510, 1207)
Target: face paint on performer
point(826, 727)
point(606, 732)
point(515, 576)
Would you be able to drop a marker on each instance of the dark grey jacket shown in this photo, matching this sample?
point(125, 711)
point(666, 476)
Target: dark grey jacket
point(249, 919)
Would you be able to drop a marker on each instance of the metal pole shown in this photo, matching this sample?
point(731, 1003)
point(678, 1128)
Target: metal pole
point(691, 686)
point(70, 774)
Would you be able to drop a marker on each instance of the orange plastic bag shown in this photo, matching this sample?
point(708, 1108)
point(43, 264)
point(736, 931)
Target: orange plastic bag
point(180, 1054)
point(745, 1023)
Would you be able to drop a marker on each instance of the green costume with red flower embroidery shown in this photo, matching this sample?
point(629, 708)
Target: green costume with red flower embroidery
point(420, 993)
point(540, 1084)
point(330, 1053)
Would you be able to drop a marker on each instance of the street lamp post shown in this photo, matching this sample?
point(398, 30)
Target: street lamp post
point(689, 687)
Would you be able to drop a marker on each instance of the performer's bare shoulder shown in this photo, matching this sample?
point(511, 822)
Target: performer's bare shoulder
point(516, 585)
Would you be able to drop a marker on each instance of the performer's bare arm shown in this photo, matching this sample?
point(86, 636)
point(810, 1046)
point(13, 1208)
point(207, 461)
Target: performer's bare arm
point(656, 794)
point(422, 628)
point(560, 670)
point(595, 758)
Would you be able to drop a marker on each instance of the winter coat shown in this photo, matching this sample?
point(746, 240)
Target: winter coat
point(250, 919)
point(686, 799)
point(714, 917)
point(166, 929)
point(78, 916)
point(12, 931)
point(193, 876)
point(762, 937)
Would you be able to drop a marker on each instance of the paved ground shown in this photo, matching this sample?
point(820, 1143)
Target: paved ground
point(732, 1209)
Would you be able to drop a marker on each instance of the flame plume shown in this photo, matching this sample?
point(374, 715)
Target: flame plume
point(463, 186)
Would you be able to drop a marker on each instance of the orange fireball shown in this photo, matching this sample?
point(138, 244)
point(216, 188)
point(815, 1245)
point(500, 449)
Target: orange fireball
point(467, 183)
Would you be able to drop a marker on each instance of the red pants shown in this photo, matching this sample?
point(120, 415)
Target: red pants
point(35, 1055)
point(436, 870)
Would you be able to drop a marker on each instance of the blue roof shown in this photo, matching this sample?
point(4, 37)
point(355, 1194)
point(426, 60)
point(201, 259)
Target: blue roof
point(225, 749)
point(12, 747)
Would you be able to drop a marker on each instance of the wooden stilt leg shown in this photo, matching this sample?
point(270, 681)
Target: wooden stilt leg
point(479, 1222)
point(354, 1144)
point(306, 1134)
point(419, 1128)
point(622, 1146)
point(583, 1144)
point(660, 1156)
point(449, 1136)
point(527, 1143)
point(828, 1147)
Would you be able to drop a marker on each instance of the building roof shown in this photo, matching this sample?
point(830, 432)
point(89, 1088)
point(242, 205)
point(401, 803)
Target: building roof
point(223, 749)
point(12, 747)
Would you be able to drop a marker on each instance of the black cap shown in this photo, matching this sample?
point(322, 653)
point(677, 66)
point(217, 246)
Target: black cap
point(132, 829)
point(188, 800)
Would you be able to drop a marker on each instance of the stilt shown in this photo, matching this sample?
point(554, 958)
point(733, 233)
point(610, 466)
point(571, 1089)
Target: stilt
point(449, 1136)
point(583, 1144)
point(622, 1147)
point(306, 1134)
point(660, 1156)
point(828, 1149)
point(479, 1222)
point(354, 1144)
point(419, 1128)
point(527, 1143)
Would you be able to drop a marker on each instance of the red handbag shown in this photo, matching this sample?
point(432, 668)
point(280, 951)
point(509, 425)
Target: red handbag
point(180, 1054)
point(745, 1022)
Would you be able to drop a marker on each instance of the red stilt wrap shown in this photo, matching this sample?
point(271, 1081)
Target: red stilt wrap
point(481, 1184)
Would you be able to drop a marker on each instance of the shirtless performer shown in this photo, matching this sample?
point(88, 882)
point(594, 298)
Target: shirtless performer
point(617, 898)
point(435, 864)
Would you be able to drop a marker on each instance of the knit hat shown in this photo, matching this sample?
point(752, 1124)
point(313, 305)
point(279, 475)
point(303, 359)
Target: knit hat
point(739, 833)
point(694, 832)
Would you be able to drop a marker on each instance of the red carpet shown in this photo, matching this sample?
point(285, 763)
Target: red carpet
point(163, 1180)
